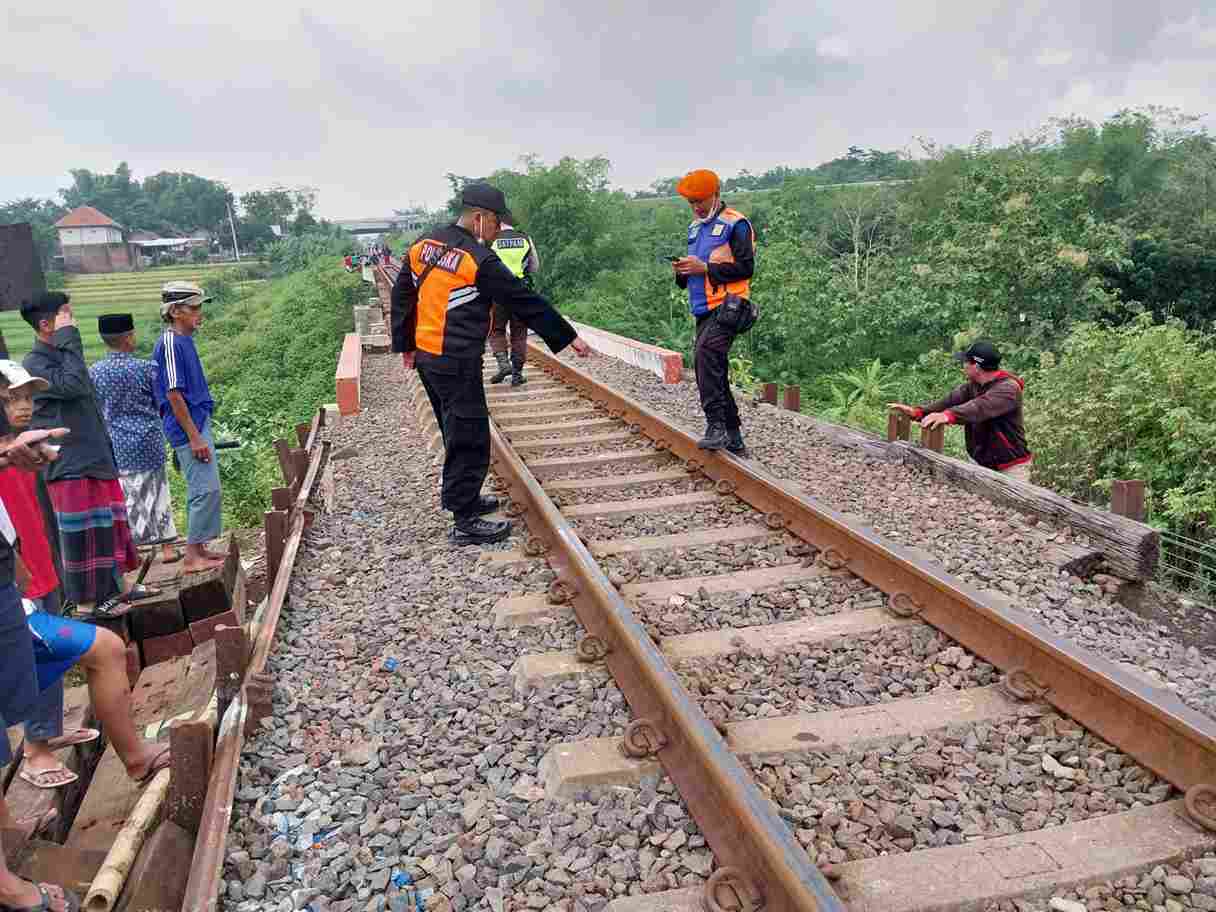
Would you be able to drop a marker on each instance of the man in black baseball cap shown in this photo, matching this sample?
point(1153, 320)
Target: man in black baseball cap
point(484, 196)
point(989, 406)
point(441, 315)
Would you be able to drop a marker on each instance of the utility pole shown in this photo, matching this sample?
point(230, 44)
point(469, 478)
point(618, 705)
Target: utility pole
point(232, 225)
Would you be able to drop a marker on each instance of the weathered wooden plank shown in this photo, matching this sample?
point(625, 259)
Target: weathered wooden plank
point(158, 878)
point(31, 804)
point(1130, 548)
point(174, 689)
point(211, 591)
point(49, 862)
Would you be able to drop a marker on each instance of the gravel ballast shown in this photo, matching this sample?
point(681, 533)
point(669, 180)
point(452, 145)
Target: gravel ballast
point(977, 541)
point(398, 742)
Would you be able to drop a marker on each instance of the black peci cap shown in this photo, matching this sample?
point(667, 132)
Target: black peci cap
point(983, 354)
point(115, 324)
point(483, 196)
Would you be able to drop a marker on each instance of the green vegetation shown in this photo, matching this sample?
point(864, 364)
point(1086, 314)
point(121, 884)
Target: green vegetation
point(137, 293)
point(1086, 251)
point(172, 204)
point(270, 356)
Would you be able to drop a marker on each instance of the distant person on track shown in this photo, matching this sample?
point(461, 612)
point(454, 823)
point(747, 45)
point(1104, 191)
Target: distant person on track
point(721, 260)
point(90, 511)
point(441, 305)
point(185, 404)
point(518, 254)
point(126, 392)
point(989, 406)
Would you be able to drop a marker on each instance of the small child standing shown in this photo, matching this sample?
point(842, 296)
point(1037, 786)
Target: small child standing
point(37, 582)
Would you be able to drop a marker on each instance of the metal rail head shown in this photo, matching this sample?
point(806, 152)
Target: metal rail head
point(739, 824)
point(1151, 725)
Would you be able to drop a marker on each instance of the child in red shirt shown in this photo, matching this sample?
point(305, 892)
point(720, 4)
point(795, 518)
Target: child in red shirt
point(38, 583)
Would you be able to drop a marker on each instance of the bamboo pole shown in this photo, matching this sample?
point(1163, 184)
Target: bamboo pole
point(107, 885)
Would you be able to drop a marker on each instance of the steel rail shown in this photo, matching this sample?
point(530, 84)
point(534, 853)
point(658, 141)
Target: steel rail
point(759, 860)
point(207, 863)
point(1146, 722)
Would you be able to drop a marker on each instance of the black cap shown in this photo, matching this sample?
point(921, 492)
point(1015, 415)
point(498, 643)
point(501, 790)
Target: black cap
point(983, 354)
point(43, 307)
point(115, 324)
point(483, 196)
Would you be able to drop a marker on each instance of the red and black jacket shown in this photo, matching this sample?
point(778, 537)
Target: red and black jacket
point(991, 414)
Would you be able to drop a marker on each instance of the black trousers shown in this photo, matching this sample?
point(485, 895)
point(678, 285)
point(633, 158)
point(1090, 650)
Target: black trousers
point(458, 397)
point(711, 360)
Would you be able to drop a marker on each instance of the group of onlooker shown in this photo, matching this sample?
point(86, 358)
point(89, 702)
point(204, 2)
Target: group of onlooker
point(72, 514)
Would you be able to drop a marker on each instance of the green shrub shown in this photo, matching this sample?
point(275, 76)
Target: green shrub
point(1136, 401)
point(269, 356)
point(198, 255)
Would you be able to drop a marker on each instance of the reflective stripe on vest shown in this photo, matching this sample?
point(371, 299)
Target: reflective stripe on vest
point(513, 248)
point(452, 283)
point(711, 244)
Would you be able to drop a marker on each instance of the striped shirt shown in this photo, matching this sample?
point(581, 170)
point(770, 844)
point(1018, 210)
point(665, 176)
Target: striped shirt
point(178, 368)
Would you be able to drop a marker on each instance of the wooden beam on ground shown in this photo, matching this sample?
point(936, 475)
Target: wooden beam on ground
point(157, 881)
point(1130, 548)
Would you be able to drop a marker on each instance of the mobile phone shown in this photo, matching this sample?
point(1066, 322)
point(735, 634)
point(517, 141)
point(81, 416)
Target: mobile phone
point(675, 259)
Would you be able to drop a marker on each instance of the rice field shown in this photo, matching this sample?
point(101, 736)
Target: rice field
point(137, 293)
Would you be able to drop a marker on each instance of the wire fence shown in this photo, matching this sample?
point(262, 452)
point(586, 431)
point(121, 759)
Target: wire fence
point(1188, 564)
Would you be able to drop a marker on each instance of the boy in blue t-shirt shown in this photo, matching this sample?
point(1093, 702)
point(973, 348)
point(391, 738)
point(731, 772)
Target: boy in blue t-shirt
point(185, 407)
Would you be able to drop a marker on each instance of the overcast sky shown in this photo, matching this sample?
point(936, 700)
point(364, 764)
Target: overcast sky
point(373, 102)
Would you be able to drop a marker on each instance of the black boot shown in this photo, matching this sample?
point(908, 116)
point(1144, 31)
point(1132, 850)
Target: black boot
point(473, 530)
point(504, 367)
point(517, 372)
point(485, 504)
point(716, 437)
point(736, 444)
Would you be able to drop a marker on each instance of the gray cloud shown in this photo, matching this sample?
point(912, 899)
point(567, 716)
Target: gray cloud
point(374, 106)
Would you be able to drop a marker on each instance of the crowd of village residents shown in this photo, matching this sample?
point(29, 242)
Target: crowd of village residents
point(83, 484)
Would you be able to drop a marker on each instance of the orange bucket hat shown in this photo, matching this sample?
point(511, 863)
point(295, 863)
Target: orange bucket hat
point(698, 185)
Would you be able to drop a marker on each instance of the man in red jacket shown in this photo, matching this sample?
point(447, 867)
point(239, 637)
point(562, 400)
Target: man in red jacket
point(989, 406)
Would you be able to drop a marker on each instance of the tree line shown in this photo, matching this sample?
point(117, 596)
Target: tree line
point(1086, 250)
point(172, 204)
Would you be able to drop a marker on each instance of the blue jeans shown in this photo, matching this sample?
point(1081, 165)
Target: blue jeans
point(203, 504)
point(45, 720)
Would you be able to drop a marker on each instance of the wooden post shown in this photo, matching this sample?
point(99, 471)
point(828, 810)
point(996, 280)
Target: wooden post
point(302, 431)
point(281, 499)
point(231, 660)
point(190, 743)
point(1127, 499)
point(791, 398)
point(299, 467)
point(768, 393)
point(259, 694)
point(932, 438)
point(275, 525)
point(284, 453)
point(899, 426)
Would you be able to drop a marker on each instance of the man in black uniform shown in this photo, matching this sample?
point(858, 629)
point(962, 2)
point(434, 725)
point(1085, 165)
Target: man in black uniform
point(441, 301)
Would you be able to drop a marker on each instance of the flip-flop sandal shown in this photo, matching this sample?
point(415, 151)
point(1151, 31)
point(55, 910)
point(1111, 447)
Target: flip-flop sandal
point(48, 779)
point(139, 592)
point(80, 736)
point(71, 902)
point(160, 762)
point(113, 607)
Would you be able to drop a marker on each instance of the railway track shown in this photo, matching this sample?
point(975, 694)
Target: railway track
point(761, 641)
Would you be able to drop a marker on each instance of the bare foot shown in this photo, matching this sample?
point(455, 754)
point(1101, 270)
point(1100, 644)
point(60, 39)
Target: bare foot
point(152, 758)
point(21, 894)
point(169, 555)
point(195, 564)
